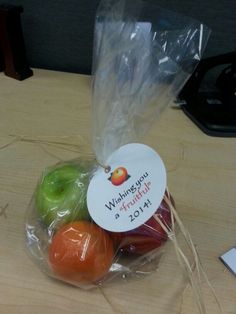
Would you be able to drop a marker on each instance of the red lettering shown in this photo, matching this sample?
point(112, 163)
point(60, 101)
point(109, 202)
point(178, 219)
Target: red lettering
point(137, 197)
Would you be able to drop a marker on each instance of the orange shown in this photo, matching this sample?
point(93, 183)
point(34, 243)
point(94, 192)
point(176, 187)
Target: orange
point(81, 252)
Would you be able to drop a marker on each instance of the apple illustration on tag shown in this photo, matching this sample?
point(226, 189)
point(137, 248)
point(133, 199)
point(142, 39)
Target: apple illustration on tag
point(119, 176)
point(61, 194)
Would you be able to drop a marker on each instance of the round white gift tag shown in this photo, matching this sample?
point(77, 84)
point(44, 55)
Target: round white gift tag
point(131, 192)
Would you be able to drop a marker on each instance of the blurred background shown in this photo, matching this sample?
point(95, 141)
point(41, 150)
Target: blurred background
point(59, 34)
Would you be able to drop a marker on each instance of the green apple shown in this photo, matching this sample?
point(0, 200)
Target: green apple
point(61, 195)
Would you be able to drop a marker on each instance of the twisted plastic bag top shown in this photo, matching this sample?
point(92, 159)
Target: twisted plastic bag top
point(143, 55)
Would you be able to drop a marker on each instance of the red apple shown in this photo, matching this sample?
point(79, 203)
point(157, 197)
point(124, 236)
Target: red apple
point(148, 236)
point(119, 176)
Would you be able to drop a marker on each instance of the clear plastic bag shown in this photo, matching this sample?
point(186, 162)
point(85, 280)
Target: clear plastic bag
point(140, 64)
point(143, 55)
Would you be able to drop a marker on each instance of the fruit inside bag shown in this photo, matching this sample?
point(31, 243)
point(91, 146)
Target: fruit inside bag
point(140, 64)
point(68, 245)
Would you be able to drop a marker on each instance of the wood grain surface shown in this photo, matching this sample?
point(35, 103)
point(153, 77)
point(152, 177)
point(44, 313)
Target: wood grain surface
point(55, 107)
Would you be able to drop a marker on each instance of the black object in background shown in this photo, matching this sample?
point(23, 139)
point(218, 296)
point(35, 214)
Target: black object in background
point(12, 56)
point(1, 61)
point(213, 111)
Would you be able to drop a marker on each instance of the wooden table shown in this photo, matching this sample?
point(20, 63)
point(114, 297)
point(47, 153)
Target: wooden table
point(55, 107)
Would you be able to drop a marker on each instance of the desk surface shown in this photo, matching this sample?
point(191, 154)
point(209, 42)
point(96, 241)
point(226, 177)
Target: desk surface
point(52, 106)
